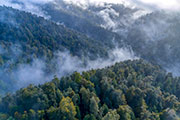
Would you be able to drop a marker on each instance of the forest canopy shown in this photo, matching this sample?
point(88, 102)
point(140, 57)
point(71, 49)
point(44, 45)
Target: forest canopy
point(130, 90)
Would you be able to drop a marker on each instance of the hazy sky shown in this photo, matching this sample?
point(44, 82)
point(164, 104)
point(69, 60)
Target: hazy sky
point(162, 4)
point(149, 4)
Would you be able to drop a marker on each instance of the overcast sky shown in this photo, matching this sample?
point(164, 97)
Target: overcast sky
point(161, 4)
point(151, 4)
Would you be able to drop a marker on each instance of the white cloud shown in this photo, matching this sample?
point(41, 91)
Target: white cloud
point(32, 5)
point(149, 4)
point(157, 4)
point(95, 1)
point(27, 5)
point(105, 14)
point(86, 3)
point(66, 64)
point(165, 4)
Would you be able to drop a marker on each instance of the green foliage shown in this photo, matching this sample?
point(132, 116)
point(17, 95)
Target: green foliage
point(111, 115)
point(42, 40)
point(93, 106)
point(67, 108)
point(25, 37)
point(130, 90)
point(3, 116)
point(89, 117)
point(126, 112)
point(77, 77)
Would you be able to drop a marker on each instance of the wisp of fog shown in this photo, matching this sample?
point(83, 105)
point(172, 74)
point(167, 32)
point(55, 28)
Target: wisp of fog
point(67, 63)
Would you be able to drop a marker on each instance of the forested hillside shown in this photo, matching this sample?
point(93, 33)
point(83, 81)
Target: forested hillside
point(130, 90)
point(153, 36)
point(25, 37)
point(156, 38)
point(53, 62)
point(40, 37)
point(84, 21)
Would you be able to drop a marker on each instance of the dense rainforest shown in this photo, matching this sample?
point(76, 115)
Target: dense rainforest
point(141, 89)
point(130, 90)
point(25, 37)
point(40, 37)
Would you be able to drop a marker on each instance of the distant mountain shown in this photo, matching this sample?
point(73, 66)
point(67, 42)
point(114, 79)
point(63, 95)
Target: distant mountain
point(84, 21)
point(155, 37)
point(105, 22)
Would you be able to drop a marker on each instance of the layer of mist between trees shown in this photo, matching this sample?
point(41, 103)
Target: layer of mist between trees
point(15, 75)
point(128, 90)
point(141, 90)
point(144, 45)
point(152, 34)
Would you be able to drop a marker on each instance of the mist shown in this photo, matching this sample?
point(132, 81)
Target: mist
point(145, 4)
point(66, 64)
point(11, 20)
point(32, 6)
point(172, 5)
point(147, 29)
point(156, 22)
